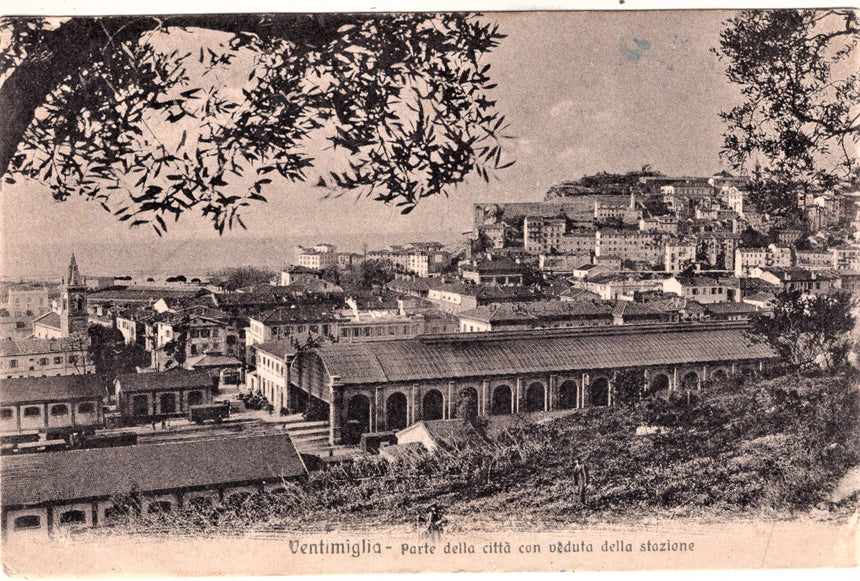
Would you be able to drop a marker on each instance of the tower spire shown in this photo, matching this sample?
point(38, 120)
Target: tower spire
point(74, 278)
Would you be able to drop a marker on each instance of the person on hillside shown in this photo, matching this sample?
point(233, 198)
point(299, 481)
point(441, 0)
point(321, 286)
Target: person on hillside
point(435, 521)
point(580, 477)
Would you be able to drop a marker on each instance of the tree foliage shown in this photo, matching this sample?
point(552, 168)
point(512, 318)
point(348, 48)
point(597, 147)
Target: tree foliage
point(111, 356)
point(242, 276)
point(176, 348)
point(810, 331)
point(120, 111)
point(797, 72)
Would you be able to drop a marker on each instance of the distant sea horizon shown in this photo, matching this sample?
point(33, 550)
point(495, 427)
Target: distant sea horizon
point(191, 258)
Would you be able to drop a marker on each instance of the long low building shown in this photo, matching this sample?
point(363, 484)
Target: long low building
point(54, 406)
point(387, 386)
point(44, 493)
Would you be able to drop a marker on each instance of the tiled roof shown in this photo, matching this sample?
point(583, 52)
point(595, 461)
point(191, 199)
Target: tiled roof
point(289, 346)
point(105, 472)
point(51, 319)
point(213, 361)
point(35, 346)
point(537, 311)
point(578, 294)
point(729, 308)
point(760, 297)
point(493, 354)
point(56, 388)
point(176, 379)
point(143, 294)
point(296, 315)
point(632, 309)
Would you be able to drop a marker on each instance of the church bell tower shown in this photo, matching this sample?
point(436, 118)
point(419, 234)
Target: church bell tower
point(73, 314)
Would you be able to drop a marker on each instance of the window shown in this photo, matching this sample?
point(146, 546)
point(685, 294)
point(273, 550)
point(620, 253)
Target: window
point(43, 360)
point(73, 359)
point(32, 412)
point(6, 413)
point(31, 521)
point(73, 517)
point(13, 363)
point(58, 360)
point(86, 408)
point(60, 410)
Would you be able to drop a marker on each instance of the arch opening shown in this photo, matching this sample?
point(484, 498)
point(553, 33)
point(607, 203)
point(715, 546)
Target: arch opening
point(502, 400)
point(535, 397)
point(432, 406)
point(598, 393)
point(395, 411)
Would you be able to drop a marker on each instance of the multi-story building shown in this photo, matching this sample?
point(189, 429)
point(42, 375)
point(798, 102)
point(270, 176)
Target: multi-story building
point(45, 357)
point(704, 289)
point(733, 198)
point(799, 279)
point(813, 259)
point(614, 211)
point(294, 274)
point(271, 376)
point(773, 256)
point(543, 235)
point(416, 258)
point(679, 254)
point(497, 271)
point(282, 323)
point(664, 224)
point(494, 234)
point(204, 335)
point(347, 259)
point(26, 299)
point(15, 326)
point(846, 257)
point(457, 297)
point(580, 242)
point(717, 250)
point(630, 245)
point(317, 257)
point(615, 286)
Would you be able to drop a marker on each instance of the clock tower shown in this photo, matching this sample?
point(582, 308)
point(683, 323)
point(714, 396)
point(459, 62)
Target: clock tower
point(73, 314)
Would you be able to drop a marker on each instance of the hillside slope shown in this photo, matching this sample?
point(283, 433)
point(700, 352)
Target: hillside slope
point(774, 448)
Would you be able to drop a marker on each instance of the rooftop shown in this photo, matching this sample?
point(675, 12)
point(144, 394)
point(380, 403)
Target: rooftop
point(56, 388)
point(500, 353)
point(166, 380)
point(35, 346)
point(296, 315)
point(537, 311)
point(104, 472)
point(50, 319)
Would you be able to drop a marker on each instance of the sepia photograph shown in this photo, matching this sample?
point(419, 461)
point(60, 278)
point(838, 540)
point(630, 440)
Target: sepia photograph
point(326, 293)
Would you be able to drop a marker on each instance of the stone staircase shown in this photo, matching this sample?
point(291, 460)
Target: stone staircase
point(309, 437)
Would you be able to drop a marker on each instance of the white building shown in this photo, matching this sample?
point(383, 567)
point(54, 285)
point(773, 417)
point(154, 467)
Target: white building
point(773, 256)
point(317, 257)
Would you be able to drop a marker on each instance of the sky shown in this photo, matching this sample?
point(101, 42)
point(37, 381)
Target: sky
point(583, 92)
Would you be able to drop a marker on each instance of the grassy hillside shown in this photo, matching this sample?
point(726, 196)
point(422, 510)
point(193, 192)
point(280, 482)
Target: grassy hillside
point(772, 448)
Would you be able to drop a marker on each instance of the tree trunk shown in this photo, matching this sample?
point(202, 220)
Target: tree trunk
point(80, 41)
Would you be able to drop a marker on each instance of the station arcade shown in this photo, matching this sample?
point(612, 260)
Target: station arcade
point(390, 385)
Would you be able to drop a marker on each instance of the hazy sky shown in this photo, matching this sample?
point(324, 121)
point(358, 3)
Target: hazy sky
point(583, 92)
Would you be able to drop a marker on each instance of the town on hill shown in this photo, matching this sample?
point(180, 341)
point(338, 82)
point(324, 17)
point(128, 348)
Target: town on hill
point(614, 293)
